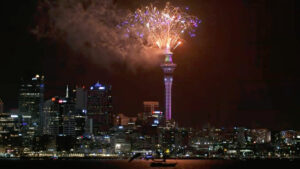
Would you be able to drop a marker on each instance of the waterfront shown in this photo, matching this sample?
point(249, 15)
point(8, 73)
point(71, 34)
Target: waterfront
point(92, 83)
point(142, 164)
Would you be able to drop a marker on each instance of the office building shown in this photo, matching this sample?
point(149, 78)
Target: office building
point(99, 107)
point(31, 97)
point(81, 98)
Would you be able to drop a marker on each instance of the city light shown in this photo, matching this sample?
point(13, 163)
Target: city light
point(84, 111)
point(231, 84)
point(118, 146)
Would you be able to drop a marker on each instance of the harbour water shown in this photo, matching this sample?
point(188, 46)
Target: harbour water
point(142, 164)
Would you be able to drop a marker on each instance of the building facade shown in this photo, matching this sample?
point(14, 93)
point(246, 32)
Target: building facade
point(99, 108)
point(149, 108)
point(31, 98)
point(59, 117)
point(81, 99)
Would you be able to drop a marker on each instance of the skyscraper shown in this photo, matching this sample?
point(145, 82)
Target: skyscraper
point(81, 99)
point(78, 98)
point(59, 117)
point(168, 68)
point(31, 98)
point(99, 107)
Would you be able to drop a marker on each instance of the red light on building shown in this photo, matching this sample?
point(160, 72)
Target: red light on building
point(157, 112)
point(53, 99)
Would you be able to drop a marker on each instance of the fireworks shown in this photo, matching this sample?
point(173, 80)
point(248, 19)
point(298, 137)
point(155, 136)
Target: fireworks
point(163, 28)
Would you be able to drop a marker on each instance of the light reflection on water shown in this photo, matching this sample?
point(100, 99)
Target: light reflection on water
point(181, 164)
point(142, 164)
point(204, 164)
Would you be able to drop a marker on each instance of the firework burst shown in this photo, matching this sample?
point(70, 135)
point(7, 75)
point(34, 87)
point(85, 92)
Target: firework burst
point(162, 28)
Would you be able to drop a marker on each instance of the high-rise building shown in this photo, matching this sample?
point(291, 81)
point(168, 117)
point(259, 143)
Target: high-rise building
point(1, 106)
point(81, 98)
point(168, 68)
point(99, 107)
point(59, 118)
point(31, 97)
point(149, 108)
point(47, 116)
point(63, 125)
point(78, 96)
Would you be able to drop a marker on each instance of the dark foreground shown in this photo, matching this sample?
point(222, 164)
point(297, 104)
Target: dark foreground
point(139, 164)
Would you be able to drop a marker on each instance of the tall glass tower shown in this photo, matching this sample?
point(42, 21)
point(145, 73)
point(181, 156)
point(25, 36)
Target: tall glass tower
point(31, 97)
point(168, 67)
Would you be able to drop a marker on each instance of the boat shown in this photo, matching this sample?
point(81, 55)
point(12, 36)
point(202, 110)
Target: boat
point(154, 163)
point(162, 164)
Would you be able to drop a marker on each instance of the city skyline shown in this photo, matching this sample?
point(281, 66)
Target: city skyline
point(236, 74)
point(150, 84)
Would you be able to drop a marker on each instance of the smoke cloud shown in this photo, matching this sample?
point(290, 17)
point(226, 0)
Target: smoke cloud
point(90, 29)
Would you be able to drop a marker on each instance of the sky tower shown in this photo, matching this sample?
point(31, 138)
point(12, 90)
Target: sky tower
point(168, 67)
point(163, 29)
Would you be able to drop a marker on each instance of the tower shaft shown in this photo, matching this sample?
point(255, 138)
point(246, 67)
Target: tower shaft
point(168, 68)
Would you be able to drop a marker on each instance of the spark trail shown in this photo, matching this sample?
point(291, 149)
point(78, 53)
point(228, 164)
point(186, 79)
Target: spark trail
point(163, 28)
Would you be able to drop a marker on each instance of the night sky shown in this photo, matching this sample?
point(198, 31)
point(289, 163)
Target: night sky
point(241, 69)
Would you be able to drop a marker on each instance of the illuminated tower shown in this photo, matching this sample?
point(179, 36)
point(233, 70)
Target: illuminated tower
point(168, 67)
